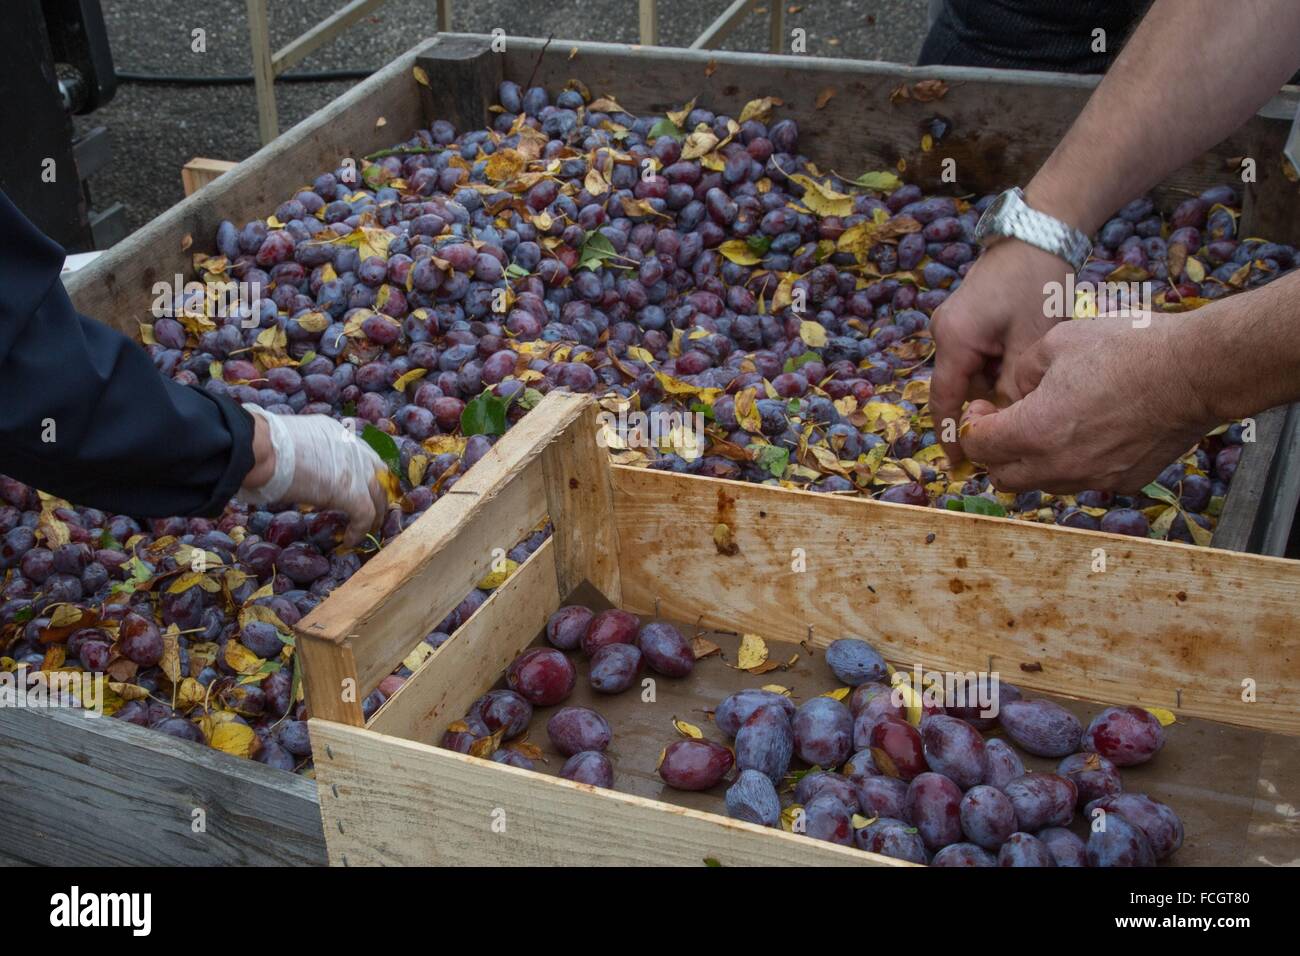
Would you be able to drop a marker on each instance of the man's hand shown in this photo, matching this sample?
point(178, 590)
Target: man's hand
point(983, 330)
point(314, 460)
point(1106, 406)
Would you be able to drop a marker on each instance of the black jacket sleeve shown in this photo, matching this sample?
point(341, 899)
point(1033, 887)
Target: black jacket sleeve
point(125, 439)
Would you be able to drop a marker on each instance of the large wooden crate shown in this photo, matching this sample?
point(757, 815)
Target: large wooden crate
point(1003, 125)
point(1164, 625)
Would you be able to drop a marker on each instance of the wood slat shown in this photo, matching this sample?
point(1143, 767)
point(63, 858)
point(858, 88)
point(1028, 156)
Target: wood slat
point(1002, 123)
point(386, 801)
point(580, 500)
point(198, 172)
point(326, 31)
point(1166, 624)
point(475, 657)
point(388, 606)
point(117, 287)
point(79, 791)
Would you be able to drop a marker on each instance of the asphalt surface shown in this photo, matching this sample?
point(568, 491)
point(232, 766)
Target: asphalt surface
point(154, 130)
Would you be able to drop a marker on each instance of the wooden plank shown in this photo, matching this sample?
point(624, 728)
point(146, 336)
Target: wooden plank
point(404, 591)
point(326, 31)
point(79, 791)
point(386, 801)
point(443, 16)
point(259, 34)
point(116, 287)
point(1237, 526)
point(776, 28)
point(648, 22)
point(724, 26)
point(1278, 509)
point(580, 501)
point(330, 682)
point(1003, 123)
point(468, 664)
point(1165, 624)
point(198, 172)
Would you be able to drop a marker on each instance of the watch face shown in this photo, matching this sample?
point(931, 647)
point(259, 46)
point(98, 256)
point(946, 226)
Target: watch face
point(984, 228)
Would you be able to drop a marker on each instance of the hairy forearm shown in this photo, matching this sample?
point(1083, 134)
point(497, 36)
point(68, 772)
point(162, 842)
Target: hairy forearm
point(1242, 354)
point(1193, 71)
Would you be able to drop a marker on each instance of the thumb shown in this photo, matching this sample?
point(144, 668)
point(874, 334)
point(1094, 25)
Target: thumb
point(992, 435)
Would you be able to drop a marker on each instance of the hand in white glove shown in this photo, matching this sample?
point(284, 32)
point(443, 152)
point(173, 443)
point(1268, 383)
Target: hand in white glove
point(314, 460)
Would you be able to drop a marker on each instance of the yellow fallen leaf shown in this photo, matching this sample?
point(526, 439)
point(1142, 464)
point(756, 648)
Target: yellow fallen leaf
point(760, 109)
point(688, 730)
point(822, 199)
point(1166, 717)
point(240, 659)
point(699, 143)
point(420, 75)
point(812, 333)
point(414, 375)
point(234, 738)
point(839, 693)
point(752, 652)
point(494, 579)
point(505, 164)
point(738, 251)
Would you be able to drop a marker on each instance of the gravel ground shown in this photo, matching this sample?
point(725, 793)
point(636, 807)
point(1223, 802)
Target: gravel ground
point(154, 130)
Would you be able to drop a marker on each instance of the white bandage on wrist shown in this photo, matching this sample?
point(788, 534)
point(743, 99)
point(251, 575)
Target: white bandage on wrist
point(275, 489)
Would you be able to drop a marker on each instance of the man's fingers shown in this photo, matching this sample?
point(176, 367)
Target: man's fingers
point(1029, 369)
point(954, 367)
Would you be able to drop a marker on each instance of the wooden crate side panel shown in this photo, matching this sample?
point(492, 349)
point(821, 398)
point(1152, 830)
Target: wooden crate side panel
point(579, 498)
point(445, 685)
point(386, 801)
point(1165, 625)
point(1237, 527)
point(79, 791)
point(1003, 123)
point(117, 287)
point(404, 591)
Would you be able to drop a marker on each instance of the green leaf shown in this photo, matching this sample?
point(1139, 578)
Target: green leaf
point(1215, 508)
point(530, 399)
point(703, 409)
point(595, 250)
point(710, 861)
point(759, 244)
point(666, 127)
point(774, 459)
point(1161, 493)
point(884, 181)
point(485, 414)
point(516, 271)
point(384, 447)
point(349, 410)
point(23, 615)
point(793, 406)
point(976, 505)
point(799, 361)
point(106, 540)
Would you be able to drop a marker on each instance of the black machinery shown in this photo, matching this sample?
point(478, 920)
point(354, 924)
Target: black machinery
point(57, 65)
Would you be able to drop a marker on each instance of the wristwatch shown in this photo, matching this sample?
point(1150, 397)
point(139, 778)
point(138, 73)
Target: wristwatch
point(1010, 216)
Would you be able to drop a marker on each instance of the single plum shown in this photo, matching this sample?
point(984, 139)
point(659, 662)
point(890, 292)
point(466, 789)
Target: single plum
point(693, 764)
point(1126, 736)
point(542, 675)
point(753, 798)
point(575, 729)
point(1042, 727)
